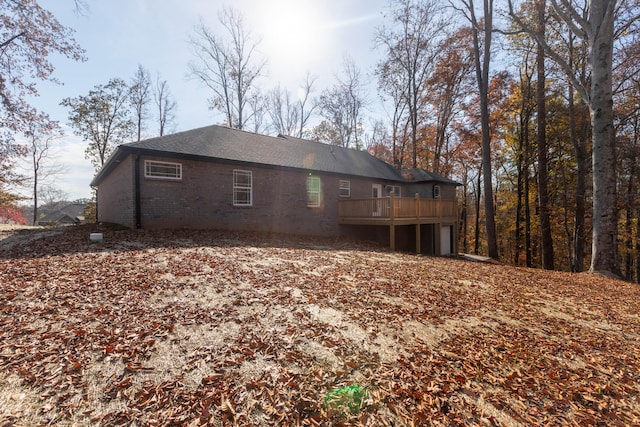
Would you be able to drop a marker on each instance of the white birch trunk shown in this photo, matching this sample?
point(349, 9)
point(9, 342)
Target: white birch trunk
point(605, 218)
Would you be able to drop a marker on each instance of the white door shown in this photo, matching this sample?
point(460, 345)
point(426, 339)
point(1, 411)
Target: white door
point(445, 242)
point(376, 193)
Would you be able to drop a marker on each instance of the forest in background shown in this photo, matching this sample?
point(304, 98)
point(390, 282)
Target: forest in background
point(504, 100)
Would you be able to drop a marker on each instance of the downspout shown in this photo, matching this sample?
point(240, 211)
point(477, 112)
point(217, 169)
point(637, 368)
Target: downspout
point(95, 189)
point(137, 209)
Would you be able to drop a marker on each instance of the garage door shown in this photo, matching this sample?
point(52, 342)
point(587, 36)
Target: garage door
point(446, 232)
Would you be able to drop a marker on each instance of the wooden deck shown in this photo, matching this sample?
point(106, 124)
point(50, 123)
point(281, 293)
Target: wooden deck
point(395, 211)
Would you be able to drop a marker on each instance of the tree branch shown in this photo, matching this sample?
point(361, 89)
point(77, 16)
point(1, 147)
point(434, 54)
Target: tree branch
point(8, 42)
point(568, 14)
point(557, 58)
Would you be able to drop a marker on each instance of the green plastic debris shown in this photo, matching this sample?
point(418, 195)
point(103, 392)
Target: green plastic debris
point(350, 398)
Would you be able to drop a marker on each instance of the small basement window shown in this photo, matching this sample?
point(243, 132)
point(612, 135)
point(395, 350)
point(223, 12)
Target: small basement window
point(162, 170)
point(345, 188)
point(242, 188)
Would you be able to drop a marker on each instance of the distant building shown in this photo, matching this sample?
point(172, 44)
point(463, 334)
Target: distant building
point(70, 214)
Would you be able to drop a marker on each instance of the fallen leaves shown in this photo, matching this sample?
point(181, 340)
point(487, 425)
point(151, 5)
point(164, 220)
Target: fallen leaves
point(210, 328)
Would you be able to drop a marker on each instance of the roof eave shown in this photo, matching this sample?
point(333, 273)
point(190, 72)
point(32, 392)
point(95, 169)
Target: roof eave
point(119, 154)
point(122, 151)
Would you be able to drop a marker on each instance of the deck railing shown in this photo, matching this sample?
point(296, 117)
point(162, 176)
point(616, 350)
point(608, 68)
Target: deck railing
point(397, 208)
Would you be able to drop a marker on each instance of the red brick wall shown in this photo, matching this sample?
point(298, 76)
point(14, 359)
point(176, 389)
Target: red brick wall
point(204, 199)
point(116, 195)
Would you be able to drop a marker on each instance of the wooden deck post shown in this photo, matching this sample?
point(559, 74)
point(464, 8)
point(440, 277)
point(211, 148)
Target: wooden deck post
point(392, 211)
point(392, 227)
point(418, 243)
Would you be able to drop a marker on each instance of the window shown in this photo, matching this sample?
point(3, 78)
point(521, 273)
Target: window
point(162, 170)
point(242, 188)
point(436, 191)
point(396, 189)
point(313, 191)
point(345, 188)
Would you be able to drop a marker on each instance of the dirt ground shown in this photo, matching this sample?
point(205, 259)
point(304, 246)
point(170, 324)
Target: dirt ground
point(15, 234)
point(215, 328)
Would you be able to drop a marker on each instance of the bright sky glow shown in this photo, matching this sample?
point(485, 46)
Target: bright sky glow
point(298, 37)
point(293, 31)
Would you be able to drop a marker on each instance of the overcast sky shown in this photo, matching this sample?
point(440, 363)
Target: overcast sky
point(297, 36)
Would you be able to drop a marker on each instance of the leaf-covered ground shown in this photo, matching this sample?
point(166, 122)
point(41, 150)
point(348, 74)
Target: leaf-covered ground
point(210, 328)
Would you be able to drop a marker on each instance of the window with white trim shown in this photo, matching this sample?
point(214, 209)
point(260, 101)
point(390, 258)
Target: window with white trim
point(396, 189)
point(242, 188)
point(436, 191)
point(162, 170)
point(314, 187)
point(345, 188)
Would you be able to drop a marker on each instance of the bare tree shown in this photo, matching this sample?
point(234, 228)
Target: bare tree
point(227, 66)
point(284, 115)
point(257, 113)
point(391, 86)
point(411, 49)
point(482, 59)
point(52, 196)
point(140, 97)
point(81, 7)
point(341, 106)
point(306, 110)
point(165, 105)
point(289, 113)
point(41, 135)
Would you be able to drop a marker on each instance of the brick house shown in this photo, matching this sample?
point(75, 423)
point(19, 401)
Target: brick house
point(222, 178)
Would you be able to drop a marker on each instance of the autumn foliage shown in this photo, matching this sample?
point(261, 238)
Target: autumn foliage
point(12, 215)
point(210, 328)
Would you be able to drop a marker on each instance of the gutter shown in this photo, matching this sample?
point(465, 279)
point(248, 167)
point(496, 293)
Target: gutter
point(137, 205)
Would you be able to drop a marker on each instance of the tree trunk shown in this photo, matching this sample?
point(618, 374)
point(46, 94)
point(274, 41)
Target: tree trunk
point(35, 198)
point(464, 220)
point(522, 207)
point(482, 75)
point(630, 205)
point(476, 245)
point(638, 246)
point(520, 190)
point(580, 228)
point(580, 149)
point(565, 211)
point(413, 112)
point(543, 192)
point(527, 205)
point(489, 209)
point(629, 220)
point(605, 219)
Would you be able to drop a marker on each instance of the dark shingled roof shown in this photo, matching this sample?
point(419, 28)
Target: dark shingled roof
point(218, 142)
point(70, 211)
point(421, 175)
